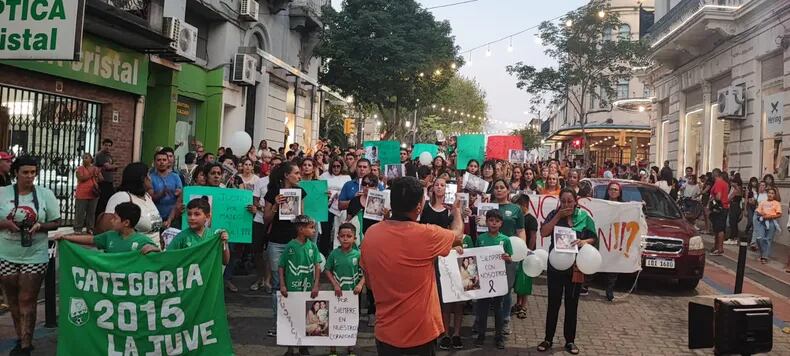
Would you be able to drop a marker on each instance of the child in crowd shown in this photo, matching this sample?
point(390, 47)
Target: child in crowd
point(299, 267)
point(457, 308)
point(121, 237)
point(198, 213)
point(767, 216)
point(523, 285)
point(492, 238)
point(342, 268)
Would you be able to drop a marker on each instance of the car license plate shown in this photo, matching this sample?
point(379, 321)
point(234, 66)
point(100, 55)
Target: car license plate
point(659, 263)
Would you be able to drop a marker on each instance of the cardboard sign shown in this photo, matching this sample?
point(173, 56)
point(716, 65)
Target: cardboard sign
point(424, 147)
point(478, 273)
point(499, 146)
point(470, 147)
point(316, 202)
point(228, 210)
point(326, 320)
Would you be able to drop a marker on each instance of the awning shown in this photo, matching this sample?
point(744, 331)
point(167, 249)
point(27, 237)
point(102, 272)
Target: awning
point(279, 63)
point(571, 132)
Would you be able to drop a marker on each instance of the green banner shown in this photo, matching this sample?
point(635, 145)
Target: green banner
point(316, 203)
point(470, 147)
point(424, 147)
point(228, 210)
point(103, 63)
point(387, 152)
point(169, 303)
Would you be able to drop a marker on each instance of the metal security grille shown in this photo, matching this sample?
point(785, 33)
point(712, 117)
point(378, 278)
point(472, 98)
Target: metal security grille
point(56, 129)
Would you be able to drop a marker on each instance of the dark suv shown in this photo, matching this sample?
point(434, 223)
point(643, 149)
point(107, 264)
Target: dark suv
point(673, 248)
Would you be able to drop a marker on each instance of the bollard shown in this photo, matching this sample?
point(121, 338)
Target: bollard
point(50, 292)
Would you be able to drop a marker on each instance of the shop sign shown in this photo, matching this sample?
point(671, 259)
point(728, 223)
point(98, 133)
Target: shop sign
point(773, 106)
point(101, 64)
point(41, 29)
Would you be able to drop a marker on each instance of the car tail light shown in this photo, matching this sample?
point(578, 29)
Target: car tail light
point(695, 243)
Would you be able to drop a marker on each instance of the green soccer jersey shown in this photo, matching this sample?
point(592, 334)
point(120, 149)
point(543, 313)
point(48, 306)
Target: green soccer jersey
point(512, 219)
point(467, 242)
point(298, 262)
point(485, 240)
point(345, 267)
point(112, 241)
point(188, 238)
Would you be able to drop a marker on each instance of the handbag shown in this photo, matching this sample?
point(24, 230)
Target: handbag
point(715, 206)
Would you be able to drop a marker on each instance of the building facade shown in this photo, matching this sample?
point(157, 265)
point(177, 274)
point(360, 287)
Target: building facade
point(721, 73)
point(618, 133)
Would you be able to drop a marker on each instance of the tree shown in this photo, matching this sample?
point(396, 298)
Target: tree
point(461, 94)
point(389, 54)
point(332, 128)
point(589, 62)
point(530, 136)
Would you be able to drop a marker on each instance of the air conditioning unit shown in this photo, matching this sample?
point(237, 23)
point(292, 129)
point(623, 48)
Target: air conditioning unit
point(244, 69)
point(732, 102)
point(248, 10)
point(187, 41)
point(171, 29)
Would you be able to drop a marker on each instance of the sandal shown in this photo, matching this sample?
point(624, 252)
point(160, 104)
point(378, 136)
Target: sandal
point(522, 313)
point(572, 348)
point(231, 287)
point(545, 345)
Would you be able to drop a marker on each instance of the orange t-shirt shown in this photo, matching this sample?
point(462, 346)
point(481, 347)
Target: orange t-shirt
point(398, 258)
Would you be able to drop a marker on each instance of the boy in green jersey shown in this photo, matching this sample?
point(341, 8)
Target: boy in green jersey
point(452, 338)
point(492, 238)
point(198, 213)
point(299, 267)
point(121, 237)
point(342, 268)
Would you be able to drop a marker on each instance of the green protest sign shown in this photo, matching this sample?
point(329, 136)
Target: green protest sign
point(470, 147)
point(168, 303)
point(424, 147)
point(316, 203)
point(228, 210)
point(385, 152)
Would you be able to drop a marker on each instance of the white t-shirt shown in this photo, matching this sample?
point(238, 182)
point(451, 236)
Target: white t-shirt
point(335, 185)
point(259, 191)
point(150, 221)
point(691, 190)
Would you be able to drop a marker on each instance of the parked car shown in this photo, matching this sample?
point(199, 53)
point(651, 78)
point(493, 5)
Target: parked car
point(673, 248)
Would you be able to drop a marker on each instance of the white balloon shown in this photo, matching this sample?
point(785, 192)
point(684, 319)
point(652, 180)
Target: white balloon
point(520, 249)
point(426, 158)
point(589, 260)
point(561, 260)
point(240, 143)
point(544, 257)
point(532, 265)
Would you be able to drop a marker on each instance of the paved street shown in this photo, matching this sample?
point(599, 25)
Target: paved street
point(651, 321)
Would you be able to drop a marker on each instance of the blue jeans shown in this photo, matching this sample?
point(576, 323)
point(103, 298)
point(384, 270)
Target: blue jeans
point(764, 235)
point(230, 268)
point(275, 250)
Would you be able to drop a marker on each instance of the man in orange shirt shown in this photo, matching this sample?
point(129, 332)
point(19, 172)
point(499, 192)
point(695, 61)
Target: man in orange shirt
point(398, 261)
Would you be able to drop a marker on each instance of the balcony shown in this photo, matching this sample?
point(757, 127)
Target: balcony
point(692, 28)
point(306, 15)
point(137, 24)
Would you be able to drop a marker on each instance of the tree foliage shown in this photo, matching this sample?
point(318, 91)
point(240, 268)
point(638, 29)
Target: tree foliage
point(376, 51)
point(530, 136)
point(332, 125)
point(461, 94)
point(590, 60)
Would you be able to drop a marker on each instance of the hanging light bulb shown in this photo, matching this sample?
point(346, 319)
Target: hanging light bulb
point(453, 65)
point(601, 14)
point(422, 74)
point(510, 46)
point(569, 23)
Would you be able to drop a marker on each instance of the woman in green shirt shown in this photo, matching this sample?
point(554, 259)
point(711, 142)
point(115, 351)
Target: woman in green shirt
point(512, 225)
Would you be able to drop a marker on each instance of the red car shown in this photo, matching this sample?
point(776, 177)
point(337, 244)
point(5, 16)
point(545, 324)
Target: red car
point(673, 248)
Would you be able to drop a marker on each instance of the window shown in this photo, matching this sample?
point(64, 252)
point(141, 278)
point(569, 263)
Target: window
point(646, 93)
point(607, 34)
point(622, 89)
point(592, 101)
point(625, 32)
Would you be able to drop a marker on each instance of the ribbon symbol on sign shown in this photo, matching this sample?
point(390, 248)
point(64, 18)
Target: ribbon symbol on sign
point(491, 286)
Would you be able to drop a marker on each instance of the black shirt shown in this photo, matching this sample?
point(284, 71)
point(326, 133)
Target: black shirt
point(580, 235)
point(439, 218)
point(282, 231)
point(5, 180)
point(354, 207)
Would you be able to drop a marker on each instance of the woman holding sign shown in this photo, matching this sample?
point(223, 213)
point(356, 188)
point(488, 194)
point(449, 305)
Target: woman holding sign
point(614, 192)
point(567, 282)
point(512, 225)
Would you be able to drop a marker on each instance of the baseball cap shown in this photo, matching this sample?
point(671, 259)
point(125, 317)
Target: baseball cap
point(5, 156)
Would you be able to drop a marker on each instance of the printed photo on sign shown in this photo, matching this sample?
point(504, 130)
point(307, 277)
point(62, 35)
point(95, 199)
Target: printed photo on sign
point(516, 156)
point(470, 279)
point(372, 153)
point(292, 205)
point(394, 170)
point(474, 183)
point(317, 318)
point(481, 215)
point(449, 193)
point(374, 209)
point(564, 238)
point(464, 199)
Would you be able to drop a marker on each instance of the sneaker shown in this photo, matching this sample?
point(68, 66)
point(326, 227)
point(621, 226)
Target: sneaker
point(445, 343)
point(479, 341)
point(500, 343)
point(231, 287)
point(716, 253)
point(584, 291)
point(730, 242)
point(372, 320)
point(506, 328)
point(457, 343)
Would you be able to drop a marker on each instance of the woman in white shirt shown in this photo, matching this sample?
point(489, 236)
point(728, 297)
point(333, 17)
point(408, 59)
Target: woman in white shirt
point(134, 184)
point(335, 179)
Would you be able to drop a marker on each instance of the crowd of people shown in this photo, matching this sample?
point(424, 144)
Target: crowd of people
point(426, 223)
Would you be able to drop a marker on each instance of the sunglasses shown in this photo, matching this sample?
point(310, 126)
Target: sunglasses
point(368, 184)
point(337, 166)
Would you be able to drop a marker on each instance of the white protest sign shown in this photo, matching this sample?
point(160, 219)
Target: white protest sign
point(326, 320)
point(478, 273)
point(48, 30)
point(620, 228)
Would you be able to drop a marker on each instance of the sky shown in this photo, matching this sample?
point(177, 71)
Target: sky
point(482, 21)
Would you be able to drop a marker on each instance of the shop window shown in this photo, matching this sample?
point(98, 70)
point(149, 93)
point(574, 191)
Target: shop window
point(692, 156)
point(719, 140)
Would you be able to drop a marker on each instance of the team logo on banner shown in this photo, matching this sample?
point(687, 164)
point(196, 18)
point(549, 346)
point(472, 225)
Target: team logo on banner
point(78, 312)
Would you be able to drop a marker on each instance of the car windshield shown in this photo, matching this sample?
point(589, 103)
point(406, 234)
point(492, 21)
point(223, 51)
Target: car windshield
point(657, 203)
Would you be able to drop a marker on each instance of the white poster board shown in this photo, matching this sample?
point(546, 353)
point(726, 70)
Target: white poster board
point(326, 320)
point(477, 273)
point(292, 205)
point(47, 30)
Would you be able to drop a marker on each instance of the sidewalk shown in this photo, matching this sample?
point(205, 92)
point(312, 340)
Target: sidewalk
point(771, 274)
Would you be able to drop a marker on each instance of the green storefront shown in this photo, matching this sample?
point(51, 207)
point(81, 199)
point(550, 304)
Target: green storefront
point(181, 107)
